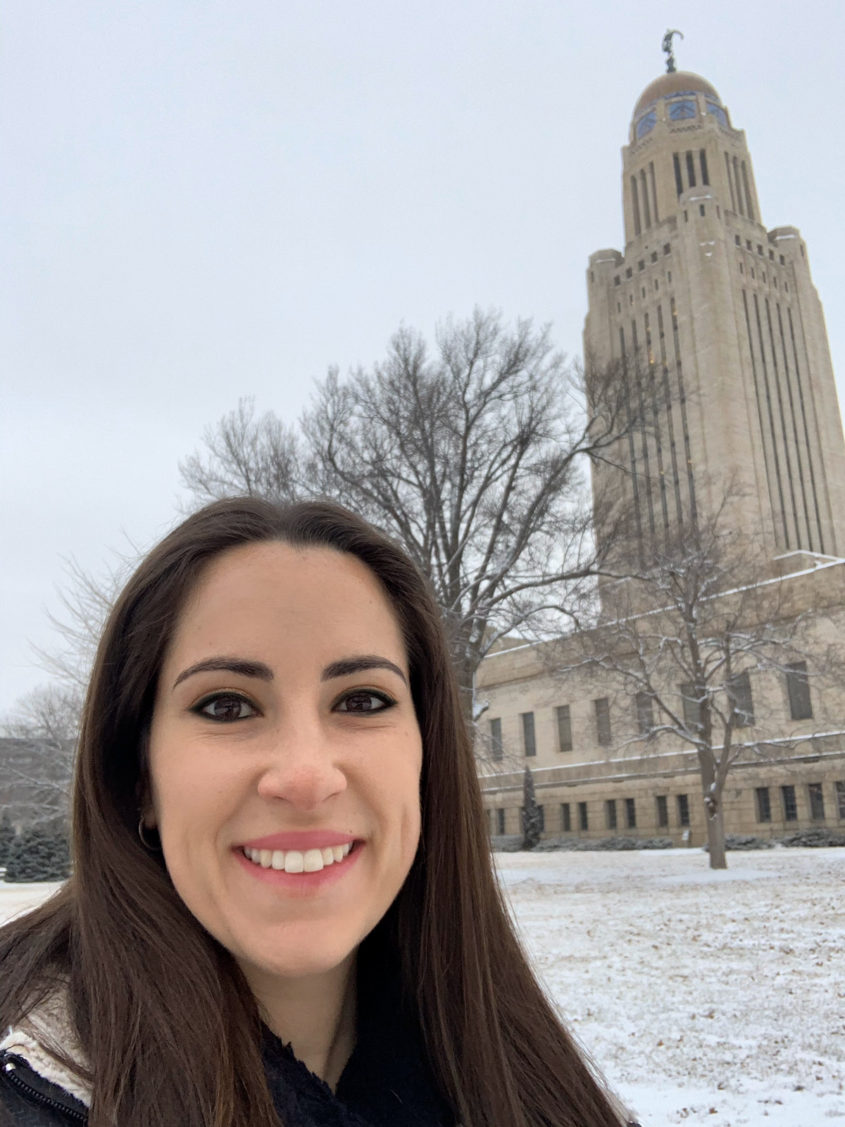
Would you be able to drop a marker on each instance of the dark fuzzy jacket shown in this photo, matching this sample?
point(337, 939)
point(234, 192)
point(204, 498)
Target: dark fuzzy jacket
point(386, 1083)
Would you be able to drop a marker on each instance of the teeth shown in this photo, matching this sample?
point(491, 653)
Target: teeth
point(294, 861)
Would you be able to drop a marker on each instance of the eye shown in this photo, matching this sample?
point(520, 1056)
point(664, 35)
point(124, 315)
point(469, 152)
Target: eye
point(226, 707)
point(364, 700)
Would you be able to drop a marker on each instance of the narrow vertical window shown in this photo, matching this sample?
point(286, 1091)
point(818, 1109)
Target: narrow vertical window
point(583, 818)
point(679, 183)
point(748, 203)
point(528, 742)
point(564, 728)
point(790, 803)
point(500, 820)
point(798, 689)
point(739, 693)
point(565, 817)
point(497, 749)
point(646, 207)
point(764, 805)
point(816, 796)
point(738, 186)
point(653, 191)
point(692, 708)
point(602, 708)
point(630, 813)
point(702, 160)
point(690, 170)
point(662, 810)
point(683, 809)
point(635, 204)
point(610, 813)
point(645, 713)
point(730, 185)
point(840, 800)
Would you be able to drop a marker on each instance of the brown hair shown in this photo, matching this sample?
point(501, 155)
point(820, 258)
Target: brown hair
point(166, 1019)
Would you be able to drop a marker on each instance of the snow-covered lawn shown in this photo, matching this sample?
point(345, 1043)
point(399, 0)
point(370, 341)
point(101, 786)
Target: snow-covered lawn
point(712, 999)
point(706, 998)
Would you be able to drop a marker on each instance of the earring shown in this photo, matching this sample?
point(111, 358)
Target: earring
point(151, 848)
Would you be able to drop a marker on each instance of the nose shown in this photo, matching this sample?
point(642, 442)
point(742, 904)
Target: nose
point(301, 767)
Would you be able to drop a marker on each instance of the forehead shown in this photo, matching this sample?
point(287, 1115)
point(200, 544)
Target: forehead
point(265, 593)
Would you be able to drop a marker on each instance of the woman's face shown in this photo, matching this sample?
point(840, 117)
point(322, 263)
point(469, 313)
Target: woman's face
point(285, 758)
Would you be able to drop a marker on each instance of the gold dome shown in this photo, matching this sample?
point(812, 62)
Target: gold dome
point(680, 81)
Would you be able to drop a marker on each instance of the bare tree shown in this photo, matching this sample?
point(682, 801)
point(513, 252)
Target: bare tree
point(691, 635)
point(472, 456)
point(42, 729)
point(38, 754)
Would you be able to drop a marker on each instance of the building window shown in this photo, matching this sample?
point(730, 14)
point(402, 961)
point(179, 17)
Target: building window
point(603, 734)
point(541, 817)
point(564, 728)
point(798, 688)
point(528, 741)
point(662, 810)
point(630, 813)
point(840, 800)
point(500, 820)
point(692, 708)
point(565, 817)
point(739, 691)
point(645, 713)
point(702, 160)
point(790, 805)
point(764, 805)
point(681, 109)
point(814, 790)
point(583, 820)
point(610, 813)
point(646, 123)
point(690, 170)
point(683, 810)
point(497, 749)
point(679, 184)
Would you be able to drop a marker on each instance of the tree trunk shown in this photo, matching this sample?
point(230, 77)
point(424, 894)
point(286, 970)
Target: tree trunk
point(716, 839)
point(711, 788)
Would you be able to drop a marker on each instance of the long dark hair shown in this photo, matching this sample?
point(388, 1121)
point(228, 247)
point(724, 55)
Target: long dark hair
point(164, 1015)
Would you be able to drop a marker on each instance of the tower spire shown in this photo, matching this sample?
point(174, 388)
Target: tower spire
point(667, 47)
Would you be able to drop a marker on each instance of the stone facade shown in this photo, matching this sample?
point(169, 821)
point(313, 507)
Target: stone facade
point(723, 335)
point(716, 327)
point(595, 777)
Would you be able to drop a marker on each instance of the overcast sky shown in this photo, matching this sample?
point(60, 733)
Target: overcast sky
point(206, 200)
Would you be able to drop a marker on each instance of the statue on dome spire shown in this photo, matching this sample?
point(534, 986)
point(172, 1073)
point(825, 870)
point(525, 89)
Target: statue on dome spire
point(667, 47)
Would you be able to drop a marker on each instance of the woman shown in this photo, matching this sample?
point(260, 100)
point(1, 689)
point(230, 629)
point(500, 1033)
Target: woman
point(282, 908)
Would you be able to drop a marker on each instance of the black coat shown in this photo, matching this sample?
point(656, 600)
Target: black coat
point(386, 1083)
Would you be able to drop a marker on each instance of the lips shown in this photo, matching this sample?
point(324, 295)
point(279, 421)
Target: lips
point(301, 840)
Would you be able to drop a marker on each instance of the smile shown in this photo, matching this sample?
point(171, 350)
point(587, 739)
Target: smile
point(296, 861)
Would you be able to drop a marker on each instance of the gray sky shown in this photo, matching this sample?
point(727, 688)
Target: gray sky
point(204, 200)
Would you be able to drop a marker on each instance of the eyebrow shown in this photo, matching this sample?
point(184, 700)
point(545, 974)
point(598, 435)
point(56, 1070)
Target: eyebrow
point(342, 668)
point(349, 665)
point(228, 665)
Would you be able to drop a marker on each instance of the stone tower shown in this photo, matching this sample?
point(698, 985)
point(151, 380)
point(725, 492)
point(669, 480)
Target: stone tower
point(719, 334)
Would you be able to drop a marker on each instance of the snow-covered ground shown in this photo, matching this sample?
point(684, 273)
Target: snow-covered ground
point(712, 999)
point(705, 998)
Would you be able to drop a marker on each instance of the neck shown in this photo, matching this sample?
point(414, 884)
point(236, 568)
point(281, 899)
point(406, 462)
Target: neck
point(314, 1014)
